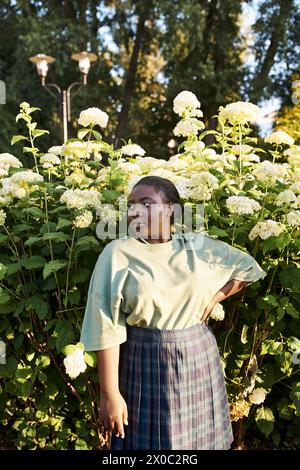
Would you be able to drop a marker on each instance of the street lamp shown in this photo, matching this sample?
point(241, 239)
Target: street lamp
point(43, 61)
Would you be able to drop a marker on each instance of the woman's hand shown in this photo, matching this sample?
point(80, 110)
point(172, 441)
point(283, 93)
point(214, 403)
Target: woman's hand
point(207, 311)
point(113, 413)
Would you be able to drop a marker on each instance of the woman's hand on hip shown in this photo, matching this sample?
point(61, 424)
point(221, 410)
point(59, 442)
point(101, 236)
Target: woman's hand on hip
point(207, 311)
point(113, 413)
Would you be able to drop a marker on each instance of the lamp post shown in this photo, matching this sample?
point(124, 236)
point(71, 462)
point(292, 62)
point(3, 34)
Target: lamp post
point(43, 61)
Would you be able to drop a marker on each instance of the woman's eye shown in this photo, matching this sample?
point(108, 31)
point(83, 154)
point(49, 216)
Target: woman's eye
point(147, 204)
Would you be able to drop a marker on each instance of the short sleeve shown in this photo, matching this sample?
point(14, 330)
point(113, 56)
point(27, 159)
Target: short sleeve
point(104, 323)
point(242, 266)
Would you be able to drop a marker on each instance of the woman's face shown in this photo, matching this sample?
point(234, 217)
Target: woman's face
point(148, 214)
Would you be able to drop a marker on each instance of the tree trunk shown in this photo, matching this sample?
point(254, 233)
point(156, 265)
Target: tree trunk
point(131, 74)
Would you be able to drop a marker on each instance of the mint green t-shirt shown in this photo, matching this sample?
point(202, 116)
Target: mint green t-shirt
point(164, 285)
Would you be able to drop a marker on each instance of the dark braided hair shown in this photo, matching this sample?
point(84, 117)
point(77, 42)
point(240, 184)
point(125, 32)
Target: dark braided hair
point(169, 190)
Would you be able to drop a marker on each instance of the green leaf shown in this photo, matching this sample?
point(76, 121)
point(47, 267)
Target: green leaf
point(8, 308)
point(34, 262)
point(292, 311)
point(290, 278)
point(4, 296)
point(56, 236)
point(26, 389)
point(90, 359)
point(244, 334)
point(286, 410)
point(34, 211)
point(39, 132)
point(63, 223)
point(3, 271)
point(17, 138)
point(88, 241)
point(97, 135)
point(264, 418)
point(82, 133)
point(217, 231)
point(80, 444)
point(271, 347)
point(53, 266)
point(38, 304)
point(295, 397)
point(66, 350)
point(63, 333)
point(32, 241)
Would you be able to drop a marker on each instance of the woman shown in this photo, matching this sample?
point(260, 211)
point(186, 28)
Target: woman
point(161, 380)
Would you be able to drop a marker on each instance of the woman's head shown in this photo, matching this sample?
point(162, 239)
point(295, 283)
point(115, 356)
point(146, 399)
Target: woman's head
point(152, 204)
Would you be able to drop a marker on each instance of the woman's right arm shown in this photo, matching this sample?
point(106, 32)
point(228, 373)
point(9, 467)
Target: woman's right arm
point(113, 408)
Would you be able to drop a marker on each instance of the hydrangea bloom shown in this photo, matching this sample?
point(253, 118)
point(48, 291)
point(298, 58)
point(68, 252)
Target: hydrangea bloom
point(2, 217)
point(92, 116)
point(293, 218)
point(132, 149)
point(242, 205)
point(279, 138)
point(80, 198)
point(218, 312)
point(83, 220)
point(265, 229)
point(240, 112)
point(258, 396)
point(75, 363)
point(7, 160)
point(187, 101)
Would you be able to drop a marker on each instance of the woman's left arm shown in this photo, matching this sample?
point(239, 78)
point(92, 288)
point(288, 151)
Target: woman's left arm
point(231, 287)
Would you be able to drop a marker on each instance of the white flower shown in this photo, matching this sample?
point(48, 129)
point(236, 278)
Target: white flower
point(75, 363)
point(56, 149)
point(265, 229)
point(77, 149)
point(83, 220)
point(21, 184)
point(132, 149)
point(242, 205)
point(292, 152)
point(217, 312)
point(187, 101)
point(293, 218)
point(176, 163)
point(187, 127)
point(279, 138)
point(295, 187)
point(7, 160)
point(2, 217)
point(241, 149)
point(258, 396)
point(107, 214)
point(201, 186)
point(240, 112)
point(3, 173)
point(80, 198)
point(78, 179)
point(194, 147)
point(296, 204)
point(49, 159)
point(285, 197)
point(268, 172)
point(92, 116)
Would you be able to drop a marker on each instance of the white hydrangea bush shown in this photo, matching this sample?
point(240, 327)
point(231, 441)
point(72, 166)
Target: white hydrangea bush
point(49, 237)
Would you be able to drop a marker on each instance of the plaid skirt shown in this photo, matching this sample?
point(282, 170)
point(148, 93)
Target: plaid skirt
point(173, 384)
